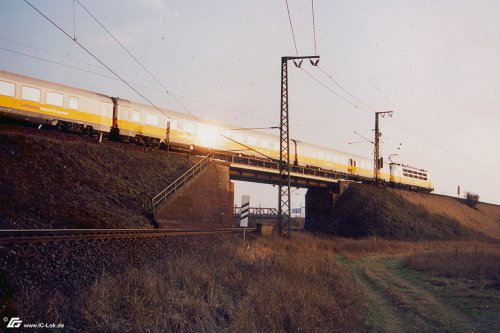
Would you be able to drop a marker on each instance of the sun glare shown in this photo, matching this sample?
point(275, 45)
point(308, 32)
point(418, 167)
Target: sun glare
point(208, 136)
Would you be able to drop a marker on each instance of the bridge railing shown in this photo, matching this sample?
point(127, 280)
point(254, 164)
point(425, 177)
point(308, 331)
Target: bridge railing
point(274, 164)
point(258, 212)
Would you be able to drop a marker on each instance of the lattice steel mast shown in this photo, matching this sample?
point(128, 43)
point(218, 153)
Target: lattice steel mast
point(377, 161)
point(284, 207)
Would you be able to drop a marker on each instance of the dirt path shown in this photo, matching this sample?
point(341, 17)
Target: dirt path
point(394, 304)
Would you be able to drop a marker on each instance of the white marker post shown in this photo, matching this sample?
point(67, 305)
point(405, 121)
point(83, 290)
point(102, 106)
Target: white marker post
point(245, 211)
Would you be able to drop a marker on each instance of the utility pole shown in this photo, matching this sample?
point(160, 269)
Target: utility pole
point(284, 207)
point(377, 161)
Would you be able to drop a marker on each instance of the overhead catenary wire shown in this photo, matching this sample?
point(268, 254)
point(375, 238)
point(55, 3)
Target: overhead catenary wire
point(335, 93)
point(291, 28)
point(95, 57)
point(74, 21)
point(345, 90)
point(86, 63)
point(122, 46)
point(314, 28)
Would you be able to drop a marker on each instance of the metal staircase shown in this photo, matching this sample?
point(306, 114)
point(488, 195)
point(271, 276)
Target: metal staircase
point(179, 183)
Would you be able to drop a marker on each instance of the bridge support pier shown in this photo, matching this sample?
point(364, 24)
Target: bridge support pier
point(320, 202)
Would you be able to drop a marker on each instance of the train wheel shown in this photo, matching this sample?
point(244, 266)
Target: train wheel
point(89, 130)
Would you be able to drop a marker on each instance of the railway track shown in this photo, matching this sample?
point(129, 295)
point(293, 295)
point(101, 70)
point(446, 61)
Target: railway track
point(33, 236)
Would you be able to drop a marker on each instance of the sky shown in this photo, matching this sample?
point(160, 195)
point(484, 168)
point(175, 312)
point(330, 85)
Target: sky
point(434, 63)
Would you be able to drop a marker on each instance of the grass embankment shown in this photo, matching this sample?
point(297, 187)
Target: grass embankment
point(364, 211)
point(72, 182)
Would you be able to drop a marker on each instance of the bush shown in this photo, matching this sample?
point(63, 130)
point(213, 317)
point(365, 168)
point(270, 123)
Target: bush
point(471, 199)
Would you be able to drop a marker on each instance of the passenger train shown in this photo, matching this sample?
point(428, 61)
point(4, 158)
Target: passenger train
point(74, 109)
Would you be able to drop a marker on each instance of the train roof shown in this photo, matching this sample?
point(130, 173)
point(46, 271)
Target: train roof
point(56, 86)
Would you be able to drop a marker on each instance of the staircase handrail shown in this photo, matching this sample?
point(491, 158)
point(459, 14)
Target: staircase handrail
point(177, 184)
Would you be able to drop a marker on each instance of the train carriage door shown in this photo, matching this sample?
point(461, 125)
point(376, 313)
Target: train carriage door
point(105, 116)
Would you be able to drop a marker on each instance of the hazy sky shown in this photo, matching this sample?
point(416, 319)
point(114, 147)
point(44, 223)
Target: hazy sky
point(435, 63)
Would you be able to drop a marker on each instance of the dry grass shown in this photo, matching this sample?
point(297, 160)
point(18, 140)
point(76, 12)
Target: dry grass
point(264, 285)
point(373, 246)
point(365, 211)
point(48, 183)
point(483, 217)
point(473, 265)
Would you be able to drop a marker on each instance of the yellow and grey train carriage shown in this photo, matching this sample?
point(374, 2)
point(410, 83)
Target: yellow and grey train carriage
point(71, 108)
point(42, 102)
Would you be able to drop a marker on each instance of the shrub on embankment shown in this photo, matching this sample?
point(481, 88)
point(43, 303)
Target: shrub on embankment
point(56, 180)
point(363, 211)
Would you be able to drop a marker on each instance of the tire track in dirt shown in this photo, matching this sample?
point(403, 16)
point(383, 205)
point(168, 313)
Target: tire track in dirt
point(395, 304)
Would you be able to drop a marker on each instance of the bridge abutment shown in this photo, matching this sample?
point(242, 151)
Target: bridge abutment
point(320, 202)
point(207, 201)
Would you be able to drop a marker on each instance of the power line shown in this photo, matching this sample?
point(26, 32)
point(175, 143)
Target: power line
point(74, 21)
point(335, 93)
point(53, 62)
point(95, 57)
point(97, 66)
point(123, 46)
point(291, 28)
point(314, 28)
point(435, 143)
point(345, 90)
point(45, 51)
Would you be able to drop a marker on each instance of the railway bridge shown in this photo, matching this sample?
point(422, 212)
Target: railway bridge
point(204, 195)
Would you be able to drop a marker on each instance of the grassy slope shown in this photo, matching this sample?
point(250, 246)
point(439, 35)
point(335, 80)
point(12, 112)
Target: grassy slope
point(483, 217)
point(76, 183)
point(368, 211)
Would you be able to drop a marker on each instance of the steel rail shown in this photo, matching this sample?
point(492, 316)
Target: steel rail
point(32, 236)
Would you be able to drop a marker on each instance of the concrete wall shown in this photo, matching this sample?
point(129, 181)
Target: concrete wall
point(205, 202)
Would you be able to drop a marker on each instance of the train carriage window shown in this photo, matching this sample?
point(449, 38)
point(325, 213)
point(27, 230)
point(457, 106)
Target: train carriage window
point(30, 94)
point(136, 116)
point(238, 137)
point(264, 143)
point(124, 113)
point(7, 89)
point(105, 109)
point(189, 127)
point(54, 98)
point(73, 102)
point(152, 119)
point(173, 124)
